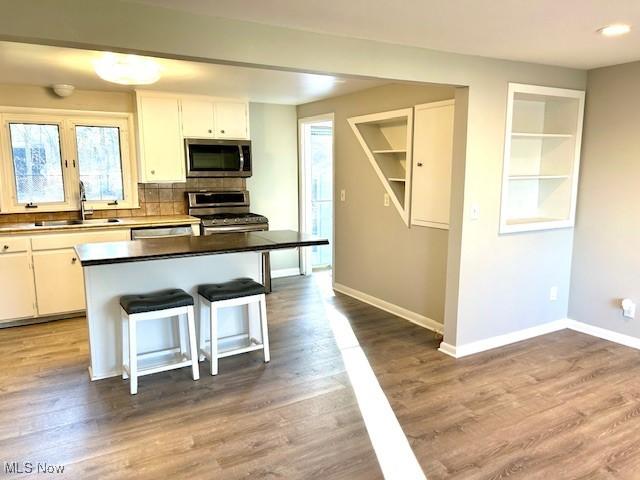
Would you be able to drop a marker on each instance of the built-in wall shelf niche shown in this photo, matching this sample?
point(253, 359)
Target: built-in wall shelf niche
point(541, 158)
point(386, 138)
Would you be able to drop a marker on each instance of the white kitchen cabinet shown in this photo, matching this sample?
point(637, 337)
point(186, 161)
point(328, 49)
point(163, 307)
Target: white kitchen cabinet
point(231, 119)
point(17, 296)
point(59, 281)
point(161, 148)
point(197, 118)
point(432, 156)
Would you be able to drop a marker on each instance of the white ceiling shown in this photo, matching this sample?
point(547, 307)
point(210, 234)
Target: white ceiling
point(45, 65)
point(555, 32)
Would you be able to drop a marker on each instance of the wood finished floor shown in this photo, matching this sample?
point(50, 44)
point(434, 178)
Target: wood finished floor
point(562, 406)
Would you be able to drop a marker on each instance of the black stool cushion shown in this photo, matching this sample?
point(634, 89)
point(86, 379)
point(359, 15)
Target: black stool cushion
point(242, 287)
point(150, 302)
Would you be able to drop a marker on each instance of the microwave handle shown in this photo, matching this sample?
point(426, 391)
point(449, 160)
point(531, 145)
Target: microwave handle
point(241, 158)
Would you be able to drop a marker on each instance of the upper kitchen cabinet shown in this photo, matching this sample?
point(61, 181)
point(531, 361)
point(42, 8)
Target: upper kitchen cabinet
point(541, 158)
point(231, 120)
point(160, 142)
point(212, 118)
point(197, 118)
point(432, 156)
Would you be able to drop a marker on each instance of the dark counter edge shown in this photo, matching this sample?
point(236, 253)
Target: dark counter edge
point(265, 248)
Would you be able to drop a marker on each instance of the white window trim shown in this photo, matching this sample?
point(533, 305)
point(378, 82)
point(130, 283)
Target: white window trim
point(67, 120)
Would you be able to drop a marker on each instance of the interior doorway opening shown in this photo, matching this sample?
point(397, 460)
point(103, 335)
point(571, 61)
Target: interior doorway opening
point(316, 182)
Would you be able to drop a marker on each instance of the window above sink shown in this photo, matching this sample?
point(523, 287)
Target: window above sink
point(46, 153)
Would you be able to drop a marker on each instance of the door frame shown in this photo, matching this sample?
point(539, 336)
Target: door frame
point(304, 198)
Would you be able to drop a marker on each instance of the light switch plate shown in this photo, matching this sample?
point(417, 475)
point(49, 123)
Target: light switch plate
point(343, 195)
point(386, 200)
point(475, 211)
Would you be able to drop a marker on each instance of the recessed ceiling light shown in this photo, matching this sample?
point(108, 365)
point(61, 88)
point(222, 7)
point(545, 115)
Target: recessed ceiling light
point(615, 30)
point(127, 69)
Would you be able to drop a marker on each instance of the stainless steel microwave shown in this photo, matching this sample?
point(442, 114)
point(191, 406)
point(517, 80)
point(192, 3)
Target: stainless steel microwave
point(218, 158)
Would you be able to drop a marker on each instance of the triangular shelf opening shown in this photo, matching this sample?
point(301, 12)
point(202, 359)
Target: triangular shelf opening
point(386, 139)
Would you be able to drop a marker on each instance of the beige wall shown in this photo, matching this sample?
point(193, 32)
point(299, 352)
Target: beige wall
point(606, 258)
point(375, 252)
point(43, 97)
point(274, 184)
point(503, 281)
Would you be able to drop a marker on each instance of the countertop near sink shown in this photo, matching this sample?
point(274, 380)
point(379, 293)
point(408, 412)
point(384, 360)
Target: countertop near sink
point(125, 222)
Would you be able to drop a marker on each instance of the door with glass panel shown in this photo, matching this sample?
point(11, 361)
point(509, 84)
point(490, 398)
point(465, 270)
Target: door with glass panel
point(316, 158)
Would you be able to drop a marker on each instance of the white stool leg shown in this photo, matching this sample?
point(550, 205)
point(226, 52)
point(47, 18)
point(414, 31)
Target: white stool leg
point(133, 356)
point(213, 323)
point(201, 324)
point(182, 334)
point(265, 331)
point(193, 350)
point(125, 342)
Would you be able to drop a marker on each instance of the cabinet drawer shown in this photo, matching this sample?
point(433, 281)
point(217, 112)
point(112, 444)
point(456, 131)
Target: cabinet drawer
point(69, 240)
point(14, 244)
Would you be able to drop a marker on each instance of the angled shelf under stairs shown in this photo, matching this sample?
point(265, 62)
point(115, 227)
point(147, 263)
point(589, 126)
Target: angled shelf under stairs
point(386, 139)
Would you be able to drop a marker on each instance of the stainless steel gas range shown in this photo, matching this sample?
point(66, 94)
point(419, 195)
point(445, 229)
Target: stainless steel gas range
point(223, 212)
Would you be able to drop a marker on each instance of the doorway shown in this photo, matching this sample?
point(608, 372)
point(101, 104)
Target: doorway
point(316, 189)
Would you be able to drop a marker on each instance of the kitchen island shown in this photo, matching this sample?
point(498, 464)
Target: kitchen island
point(113, 269)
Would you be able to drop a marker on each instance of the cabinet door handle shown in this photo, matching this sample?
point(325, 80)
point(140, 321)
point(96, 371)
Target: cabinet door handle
point(221, 131)
point(210, 131)
point(5, 247)
point(74, 260)
point(153, 172)
point(419, 164)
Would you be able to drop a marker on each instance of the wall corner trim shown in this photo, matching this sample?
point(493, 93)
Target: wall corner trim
point(285, 272)
point(396, 310)
point(448, 349)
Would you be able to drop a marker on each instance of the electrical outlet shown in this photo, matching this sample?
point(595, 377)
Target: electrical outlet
point(553, 294)
point(343, 195)
point(386, 200)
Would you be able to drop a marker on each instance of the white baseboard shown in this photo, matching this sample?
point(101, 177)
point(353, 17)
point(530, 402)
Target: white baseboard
point(285, 272)
point(458, 351)
point(603, 333)
point(396, 310)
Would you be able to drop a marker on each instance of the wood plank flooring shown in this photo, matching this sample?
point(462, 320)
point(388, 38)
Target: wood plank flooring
point(562, 406)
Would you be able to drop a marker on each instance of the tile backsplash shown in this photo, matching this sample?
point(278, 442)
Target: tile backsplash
point(154, 198)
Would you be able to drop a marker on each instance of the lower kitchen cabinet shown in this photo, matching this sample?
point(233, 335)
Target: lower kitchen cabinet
point(17, 297)
point(59, 281)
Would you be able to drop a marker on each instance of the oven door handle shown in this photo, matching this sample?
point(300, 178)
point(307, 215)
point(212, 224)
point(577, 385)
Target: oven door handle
point(234, 228)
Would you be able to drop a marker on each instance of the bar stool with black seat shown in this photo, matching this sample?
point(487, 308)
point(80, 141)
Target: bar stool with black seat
point(153, 306)
point(213, 297)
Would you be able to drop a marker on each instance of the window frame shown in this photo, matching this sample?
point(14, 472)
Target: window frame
point(67, 120)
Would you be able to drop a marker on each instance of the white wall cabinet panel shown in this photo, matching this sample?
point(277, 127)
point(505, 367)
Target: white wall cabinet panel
point(432, 156)
point(197, 118)
point(231, 120)
point(59, 281)
point(161, 142)
point(17, 298)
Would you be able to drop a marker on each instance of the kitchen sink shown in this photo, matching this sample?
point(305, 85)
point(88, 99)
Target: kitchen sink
point(62, 223)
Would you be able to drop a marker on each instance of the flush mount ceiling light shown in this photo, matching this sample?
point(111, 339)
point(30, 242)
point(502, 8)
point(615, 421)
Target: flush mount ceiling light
point(127, 69)
point(614, 30)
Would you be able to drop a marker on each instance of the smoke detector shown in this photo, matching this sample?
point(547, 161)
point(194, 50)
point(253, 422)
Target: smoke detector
point(62, 89)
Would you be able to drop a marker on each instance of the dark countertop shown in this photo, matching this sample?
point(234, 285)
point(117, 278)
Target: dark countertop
point(162, 248)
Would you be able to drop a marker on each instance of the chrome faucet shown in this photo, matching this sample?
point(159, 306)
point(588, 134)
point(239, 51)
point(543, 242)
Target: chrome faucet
point(83, 198)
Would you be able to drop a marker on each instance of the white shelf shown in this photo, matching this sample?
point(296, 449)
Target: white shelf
point(385, 138)
point(390, 151)
point(541, 135)
point(538, 177)
point(542, 138)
